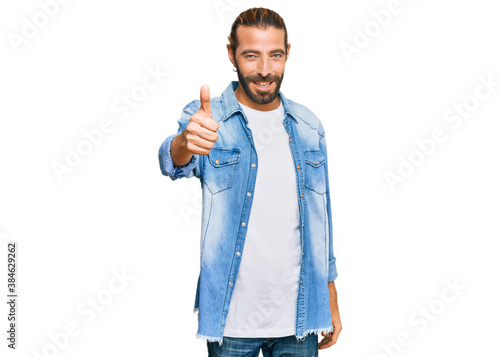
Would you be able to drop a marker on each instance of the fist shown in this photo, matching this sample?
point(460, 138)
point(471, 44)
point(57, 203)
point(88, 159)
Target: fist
point(201, 131)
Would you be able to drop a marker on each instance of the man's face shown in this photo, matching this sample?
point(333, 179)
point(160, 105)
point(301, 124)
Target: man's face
point(260, 62)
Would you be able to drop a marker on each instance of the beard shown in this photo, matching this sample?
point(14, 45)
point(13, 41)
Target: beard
point(259, 97)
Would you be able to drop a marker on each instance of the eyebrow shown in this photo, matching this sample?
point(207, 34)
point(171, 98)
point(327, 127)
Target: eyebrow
point(255, 51)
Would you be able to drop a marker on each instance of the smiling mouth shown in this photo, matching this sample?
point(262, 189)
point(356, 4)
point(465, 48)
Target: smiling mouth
point(263, 85)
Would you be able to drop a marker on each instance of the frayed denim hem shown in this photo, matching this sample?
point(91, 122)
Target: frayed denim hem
point(209, 339)
point(314, 331)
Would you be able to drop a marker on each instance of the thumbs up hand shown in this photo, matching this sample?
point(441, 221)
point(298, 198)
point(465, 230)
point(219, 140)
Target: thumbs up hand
point(201, 131)
point(205, 101)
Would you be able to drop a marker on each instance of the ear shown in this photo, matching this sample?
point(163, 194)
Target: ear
point(288, 51)
point(230, 54)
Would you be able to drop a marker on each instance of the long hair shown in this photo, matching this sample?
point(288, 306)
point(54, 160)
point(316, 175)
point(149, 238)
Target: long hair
point(258, 17)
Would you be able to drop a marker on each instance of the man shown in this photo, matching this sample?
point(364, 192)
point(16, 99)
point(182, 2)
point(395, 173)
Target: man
point(267, 267)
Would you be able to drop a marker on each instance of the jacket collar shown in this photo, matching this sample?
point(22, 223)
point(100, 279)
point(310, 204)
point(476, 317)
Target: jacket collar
point(231, 105)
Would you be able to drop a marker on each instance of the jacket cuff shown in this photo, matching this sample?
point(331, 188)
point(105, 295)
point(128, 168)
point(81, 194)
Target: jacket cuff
point(332, 270)
point(167, 165)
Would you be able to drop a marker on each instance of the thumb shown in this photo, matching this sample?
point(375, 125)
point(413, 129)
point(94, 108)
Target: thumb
point(205, 100)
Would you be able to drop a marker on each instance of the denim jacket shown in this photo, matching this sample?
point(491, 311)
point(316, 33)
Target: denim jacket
point(227, 175)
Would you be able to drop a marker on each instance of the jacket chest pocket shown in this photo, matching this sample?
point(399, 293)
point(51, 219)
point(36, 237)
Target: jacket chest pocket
point(314, 170)
point(220, 169)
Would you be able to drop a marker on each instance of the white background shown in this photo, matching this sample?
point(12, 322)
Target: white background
point(395, 249)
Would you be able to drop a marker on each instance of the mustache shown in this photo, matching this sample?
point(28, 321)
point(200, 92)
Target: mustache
point(259, 78)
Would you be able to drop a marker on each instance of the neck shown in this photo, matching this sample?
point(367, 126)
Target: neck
point(243, 98)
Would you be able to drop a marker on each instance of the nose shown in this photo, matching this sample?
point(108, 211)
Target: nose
point(263, 68)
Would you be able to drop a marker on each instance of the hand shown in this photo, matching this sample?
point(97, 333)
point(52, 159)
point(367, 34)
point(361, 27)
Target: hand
point(201, 134)
point(331, 338)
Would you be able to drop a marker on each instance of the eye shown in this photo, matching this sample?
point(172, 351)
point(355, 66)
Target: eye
point(277, 55)
point(250, 56)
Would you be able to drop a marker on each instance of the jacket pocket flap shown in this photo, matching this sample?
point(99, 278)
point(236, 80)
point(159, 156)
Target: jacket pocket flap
point(224, 156)
point(314, 157)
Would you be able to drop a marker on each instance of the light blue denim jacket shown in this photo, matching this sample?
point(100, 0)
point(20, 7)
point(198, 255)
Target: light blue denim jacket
point(227, 175)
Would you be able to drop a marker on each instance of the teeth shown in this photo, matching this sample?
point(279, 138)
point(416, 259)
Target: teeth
point(263, 84)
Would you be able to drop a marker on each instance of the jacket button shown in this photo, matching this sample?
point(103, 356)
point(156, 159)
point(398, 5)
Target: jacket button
point(291, 139)
point(249, 194)
point(243, 224)
point(238, 253)
point(315, 162)
point(302, 224)
point(253, 165)
point(298, 166)
point(231, 284)
point(301, 195)
point(301, 281)
point(216, 161)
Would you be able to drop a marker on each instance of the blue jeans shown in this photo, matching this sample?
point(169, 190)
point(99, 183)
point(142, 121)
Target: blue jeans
point(271, 347)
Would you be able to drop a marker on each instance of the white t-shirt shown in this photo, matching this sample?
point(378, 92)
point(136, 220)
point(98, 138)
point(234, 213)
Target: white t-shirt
point(264, 298)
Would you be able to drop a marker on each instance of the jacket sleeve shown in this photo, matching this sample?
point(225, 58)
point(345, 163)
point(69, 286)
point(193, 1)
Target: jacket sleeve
point(332, 270)
point(192, 168)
